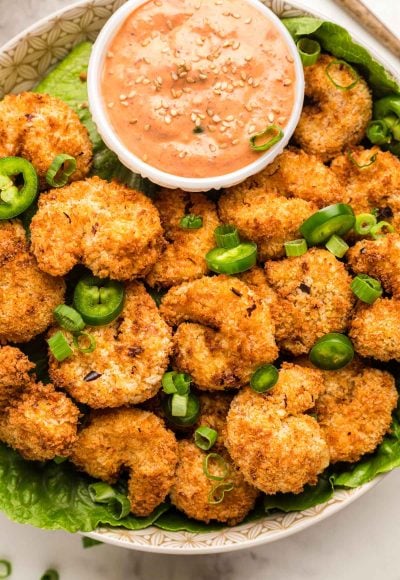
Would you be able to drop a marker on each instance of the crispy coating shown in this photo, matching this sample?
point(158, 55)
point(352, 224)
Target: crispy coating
point(40, 423)
point(184, 256)
point(133, 440)
point(224, 331)
point(379, 259)
point(214, 409)
point(40, 127)
point(275, 445)
point(14, 373)
point(256, 279)
point(192, 491)
point(375, 330)
point(313, 298)
point(113, 230)
point(333, 117)
point(27, 295)
point(131, 356)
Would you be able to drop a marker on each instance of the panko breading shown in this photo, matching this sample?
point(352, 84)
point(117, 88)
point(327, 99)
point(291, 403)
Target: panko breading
point(184, 256)
point(14, 373)
point(375, 330)
point(333, 117)
point(131, 355)
point(313, 298)
point(133, 440)
point(275, 445)
point(256, 279)
point(192, 491)
point(27, 295)
point(113, 230)
point(380, 259)
point(40, 127)
point(225, 331)
point(214, 409)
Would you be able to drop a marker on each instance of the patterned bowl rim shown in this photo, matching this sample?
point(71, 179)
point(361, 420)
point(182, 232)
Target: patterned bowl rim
point(265, 530)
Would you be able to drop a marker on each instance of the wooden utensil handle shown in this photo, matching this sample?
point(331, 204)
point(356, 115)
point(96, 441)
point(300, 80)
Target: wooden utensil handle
point(372, 23)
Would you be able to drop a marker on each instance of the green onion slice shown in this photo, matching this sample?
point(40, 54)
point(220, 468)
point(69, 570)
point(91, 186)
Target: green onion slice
point(5, 569)
point(191, 222)
point(334, 219)
point(366, 289)
point(192, 413)
point(87, 338)
point(340, 64)
point(363, 224)
point(309, 50)
point(59, 346)
point(98, 301)
point(381, 229)
point(179, 405)
point(332, 351)
point(117, 503)
point(264, 378)
point(233, 260)
point(214, 463)
point(295, 248)
point(217, 494)
point(358, 165)
point(60, 170)
point(337, 246)
point(173, 382)
point(50, 575)
point(205, 437)
point(266, 139)
point(378, 133)
point(226, 236)
point(68, 318)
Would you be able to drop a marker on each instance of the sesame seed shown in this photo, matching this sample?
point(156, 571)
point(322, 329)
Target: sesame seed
point(139, 80)
point(271, 117)
point(223, 146)
point(229, 88)
point(201, 116)
point(217, 92)
point(222, 129)
point(236, 45)
point(281, 120)
point(164, 51)
point(210, 112)
point(224, 85)
point(287, 82)
point(225, 69)
point(248, 107)
point(110, 105)
point(212, 148)
point(125, 104)
point(159, 80)
point(174, 76)
point(147, 127)
point(251, 129)
point(289, 58)
point(216, 118)
point(123, 97)
point(230, 118)
point(235, 141)
point(146, 81)
point(248, 58)
point(193, 117)
point(173, 112)
point(227, 43)
point(146, 42)
point(243, 76)
point(132, 94)
point(203, 77)
point(198, 122)
point(168, 119)
point(211, 128)
point(248, 20)
point(250, 81)
point(182, 154)
point(187, 90)
point(256, 84)
point(235, 15)
point(190, 80)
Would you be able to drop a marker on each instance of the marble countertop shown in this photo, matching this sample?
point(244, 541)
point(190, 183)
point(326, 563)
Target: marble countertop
point(359, 543)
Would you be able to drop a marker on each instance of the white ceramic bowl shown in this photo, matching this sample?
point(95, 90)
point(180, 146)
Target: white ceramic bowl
point(135, 163)
point(23, 61)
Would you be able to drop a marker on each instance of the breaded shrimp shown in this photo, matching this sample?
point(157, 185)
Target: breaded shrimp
point(130, 358)
point(184, 256)
point(275, 445)
point(40, 127)
point(27, 295)
point(14, 373)
point(256, 280)
point(113, 230)
point(334, 117)
point(224, 331)
point(313, 298)
point(195, 494)
point(375, 330)
point(133, 440)
point(214, 409)
point(380, 259)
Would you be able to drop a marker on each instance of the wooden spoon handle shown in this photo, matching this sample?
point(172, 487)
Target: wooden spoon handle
point(372, 23)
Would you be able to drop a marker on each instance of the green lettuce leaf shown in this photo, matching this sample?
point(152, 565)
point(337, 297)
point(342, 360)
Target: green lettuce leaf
point(336, 40)
point(175, 521)
point(311, 496)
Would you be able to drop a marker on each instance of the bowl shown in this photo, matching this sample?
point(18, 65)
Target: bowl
point(23, 61)
point(136, 164)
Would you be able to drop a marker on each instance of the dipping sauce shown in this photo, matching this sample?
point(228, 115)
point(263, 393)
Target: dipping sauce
point(186, 83)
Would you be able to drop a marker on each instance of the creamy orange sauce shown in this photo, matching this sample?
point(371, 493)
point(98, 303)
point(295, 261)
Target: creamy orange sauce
point(186, 83)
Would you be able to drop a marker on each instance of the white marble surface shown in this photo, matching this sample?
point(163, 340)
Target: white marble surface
point(360, 543)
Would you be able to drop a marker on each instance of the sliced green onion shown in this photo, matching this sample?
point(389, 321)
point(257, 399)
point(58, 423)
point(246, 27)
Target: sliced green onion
point(233, 260)
point(334, 219)
point(337, 246)
point(168, 384)
point(219, 464)
point(226, 236)
point(275, 133)
point(68, 318)
point(342, 63)
point(332, 351)
point(192, 414)
point(364, 223)
point(90, 542)
point(59, 346)
point(117, 503)
point(60, 170)
point(191, 222)
point(381, 229)
point(85, 336)
point(58, 460)
point(173, 382)
point(179, 405)
point(264, 378)
point(309, 50)
point(205, 437)
point(50, 575)
point(366, 289)
point(295, 248)
point(5, 569)
point(217, 494)
point(358, 165)
point(378, 133)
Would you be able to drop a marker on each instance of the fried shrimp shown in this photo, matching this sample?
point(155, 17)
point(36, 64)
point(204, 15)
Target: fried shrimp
point(184, 256)
point(40, 127)
point(375, 330)
point(14, 373)
point(213, 412)
point(27, 295)
point(133, 440)
point(224, 331)
point(334, 117)
point(130, 358)
point(113, 230)
point(276, 446)
point(256, 280)
point(313, 298)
